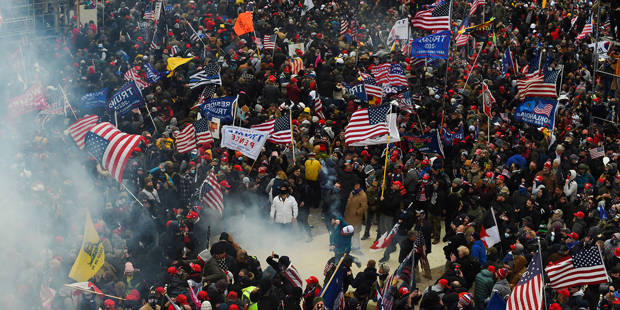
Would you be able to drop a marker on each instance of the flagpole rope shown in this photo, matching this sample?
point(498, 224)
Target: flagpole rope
point(333, 274)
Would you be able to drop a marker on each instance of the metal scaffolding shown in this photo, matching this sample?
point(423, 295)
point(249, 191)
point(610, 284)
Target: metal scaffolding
point(33, 19)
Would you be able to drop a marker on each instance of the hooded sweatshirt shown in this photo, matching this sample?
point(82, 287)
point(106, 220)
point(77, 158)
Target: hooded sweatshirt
point(570, 188)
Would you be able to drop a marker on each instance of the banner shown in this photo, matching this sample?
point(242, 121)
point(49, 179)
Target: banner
point(91, 255)
point(428, 143)
point(126, 99)
point(293, 47)
point(153, 75)
point(247, 141)
point(358, 91)
point(538, 112)
point(94, 100)
point(432, 46)
point(400, 31)
point(221, 108)
point(32, 100)
point(214, 127)
point(450, 137)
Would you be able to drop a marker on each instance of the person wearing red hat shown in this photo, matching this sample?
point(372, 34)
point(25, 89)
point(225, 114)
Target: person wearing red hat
point(579, 223)
point(313, 290)
point(548, 177)
point(501, 286)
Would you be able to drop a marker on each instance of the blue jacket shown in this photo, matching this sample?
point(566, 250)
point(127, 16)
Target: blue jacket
point(342, 243)
point(478, 251)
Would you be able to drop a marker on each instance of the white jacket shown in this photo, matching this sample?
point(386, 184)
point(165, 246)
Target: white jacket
point(283, 211)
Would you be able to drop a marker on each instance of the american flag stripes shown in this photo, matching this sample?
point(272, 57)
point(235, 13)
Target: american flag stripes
point(597, 152)
point(584, 267)
point(148, 13)
point(186, 139)
point(203, 135)
point(279, 129)
point(297, 64)
point(292, 275)
point(211, 194)
point(154, 41)
point(475, 5)
point(318, 106)
point(587, 29)
point(371, 88)
point(133, 75)
point(539, 86)
point(462, 38)
point(367, 123)
point(111, 147)
point(269, 42)
point(344, 27)
point(528, 294)
point(380, 72)
point(79, 129)
point(174, 50)
point(396, 76)
point(434, 19)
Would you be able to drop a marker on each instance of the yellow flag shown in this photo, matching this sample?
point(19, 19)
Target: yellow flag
point(174, 62)
point(544, 4)
point(91, 256)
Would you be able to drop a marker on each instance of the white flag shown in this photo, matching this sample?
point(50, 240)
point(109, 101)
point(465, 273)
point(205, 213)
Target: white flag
point(399, 31)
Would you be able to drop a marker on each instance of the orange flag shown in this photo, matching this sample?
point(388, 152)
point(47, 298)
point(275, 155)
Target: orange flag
point(244, 23)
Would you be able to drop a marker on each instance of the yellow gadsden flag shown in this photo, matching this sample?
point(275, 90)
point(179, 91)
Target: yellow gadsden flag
point(174, 62)
point(91, 256)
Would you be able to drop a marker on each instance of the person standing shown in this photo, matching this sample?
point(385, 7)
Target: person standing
point(312, 168)
point(284, 209)
point(354, 212)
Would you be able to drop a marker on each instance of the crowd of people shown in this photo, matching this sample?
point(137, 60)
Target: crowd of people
point(543, 189)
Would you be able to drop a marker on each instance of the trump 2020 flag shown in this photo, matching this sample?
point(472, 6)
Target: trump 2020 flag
point(432, 46)
point(221, 108)
point(153, 75)
point(539, 112)
point(126, 99)
point(247, 141)
point(94, 100)
point(428, 143)
point(333, 294)
point(91, 255)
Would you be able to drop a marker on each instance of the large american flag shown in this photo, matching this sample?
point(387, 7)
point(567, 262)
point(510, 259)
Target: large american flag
point(434, 19)
point(582, 268)
point(269, 42)
point(461, 37)
point(211, 194)
point(380, 72)
point(396, 76)
point(186, 139)
point(292, 275)
point(297, 64)
point(203, 135)
point(527, 295)
point(367, 123)
point(543, 85)
point(318, 104)
point(597, 152)
point(344, 26)
point(111, 147)
point(371, 87)
point(587, 29)
point(79, 129)
point(532, 69)
point(133, 75)
point(279, 129)
point(475, 5)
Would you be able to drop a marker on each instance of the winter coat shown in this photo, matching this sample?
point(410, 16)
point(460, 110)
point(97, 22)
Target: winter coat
point(478, 251)
point(356, 206)
point(340, 241)
point(212, 271)
point(570, 189)
point(470, 267)
point(502, 287)
point(363, 282)
point(484, 286)
point(283, 211)
point(390, 205)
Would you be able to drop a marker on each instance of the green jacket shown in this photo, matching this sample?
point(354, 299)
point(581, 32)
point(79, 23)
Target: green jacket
point(484, 286)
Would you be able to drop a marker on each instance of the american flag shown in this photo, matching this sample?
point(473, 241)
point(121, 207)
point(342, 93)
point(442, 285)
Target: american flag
point(404, 273)
point(279, 129)
point(344, 26)
point(475, 5)
point(539, 86)
point(111, 147)
point(353, 25)
point(269, 42)
point(318, 106)
point(404, 101)
point(154, 40)
point(406, 48)
point(211, 194)
point(597, 152)
point(584, 267)
point(79, 129)
point(487, 99)
point(385, 238)
point(148, 13)
point(203, 134)
point(192, 34)
point(209, 75)
point(462, 38)
point(380, 72)
point(292, 275)
point(371, 87)
point(587, 29)
point(573, 20)
point(545, 109)
point(297, 64)
point(207, 92)
point(606, 26)
point(532, 69)
point(367, 123)
point(527, 295)
point(174, 50)
point(434, 19)
point(133, 75)
point(396, 76)
point(186, 139)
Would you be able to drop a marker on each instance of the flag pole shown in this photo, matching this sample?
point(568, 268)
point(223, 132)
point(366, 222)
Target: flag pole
point(488, 129)
point(472, 66)
point(64, 95)
point(199, 38)
point(333, 274)
point(290, 120)
point(257, 50)
point(115, 119)
point(273, 50)
point(387, 149)
point(445, 88)
point(542, 271)
point(94, 292)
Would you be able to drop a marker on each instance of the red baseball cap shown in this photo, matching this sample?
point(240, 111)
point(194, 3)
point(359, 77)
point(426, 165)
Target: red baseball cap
point(579, 214)
point(444, 282)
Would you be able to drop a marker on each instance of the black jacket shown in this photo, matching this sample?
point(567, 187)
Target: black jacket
point(363, 281)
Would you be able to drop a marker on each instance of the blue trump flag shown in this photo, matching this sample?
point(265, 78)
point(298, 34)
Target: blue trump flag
point(539, 112)
point(428, 143)
point(333, 294)
point(94, 100)
point(358, 91)
point(221, 108)
point(507, 63)
point(496, 303)
point(432, 46)
point(153, 75)
point(126, 99)
point(449, 137)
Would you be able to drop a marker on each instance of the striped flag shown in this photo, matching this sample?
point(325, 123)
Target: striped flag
point(532, 69)
point(203, 135)
point(573, 20)
point(297, 64)
point(475, 5)
point(154, 45)
point(111, 147)
point(148, 13)
point(79, 129)
point(318, 105)
point(597, 152)
point(380, 72)
point(371, 88)
point(396, 76)
point(461, 37)
point(174, 50)
point(211, 194)
point(543, 85)
point(292, 275)
point(209, 75)
point(186, 139)
point(584, 267)
point(367, 123)
point(385, 239)
point(193, 35)
point(587, 29)
point(133, 75)
point(279, 130)
point(487, 99)
point(434, 19)
point(344, 26)
point(269, 42)
point(528, 294)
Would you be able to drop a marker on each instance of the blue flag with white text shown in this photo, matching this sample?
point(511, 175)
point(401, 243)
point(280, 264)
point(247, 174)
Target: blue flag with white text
point(94, 100)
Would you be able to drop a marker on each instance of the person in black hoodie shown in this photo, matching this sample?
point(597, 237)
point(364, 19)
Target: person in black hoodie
point(363, 283)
